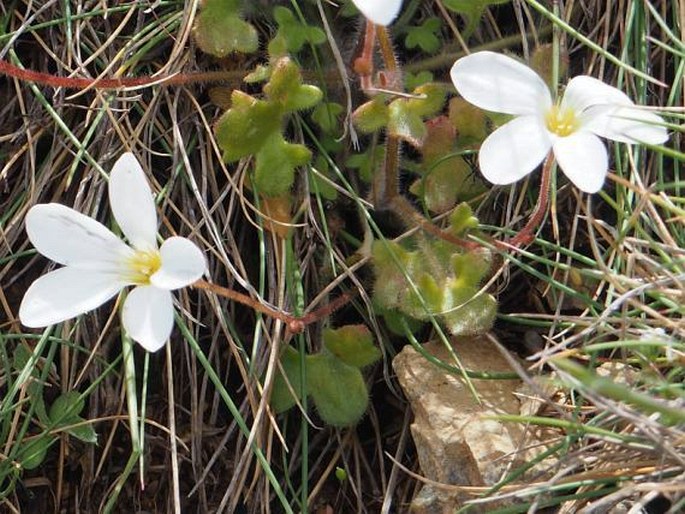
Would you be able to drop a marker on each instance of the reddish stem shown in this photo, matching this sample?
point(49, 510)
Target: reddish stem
point(47, 79)
point(295, 324)
point(245, 300)
point(527, 233)
point(326, 310)
point(363, 65)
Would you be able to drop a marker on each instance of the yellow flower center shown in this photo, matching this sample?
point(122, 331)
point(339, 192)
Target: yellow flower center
point(562, 122)
point(142, 265)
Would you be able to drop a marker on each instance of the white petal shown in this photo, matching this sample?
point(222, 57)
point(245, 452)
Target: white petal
point(66, 293)
point(381, 12)
point(182, 264)
point(583, 92)
point(583, 159)
point(609, 113)
point(626, 125)
point(71, 238)
point(148, 316)
point(514, 150)
point(130, 198)
point(498, 83)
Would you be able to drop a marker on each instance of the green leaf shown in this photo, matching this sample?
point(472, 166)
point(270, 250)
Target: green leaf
point(405, 116)
point(405, 123)
point(472, 10)
point(431, 101)
point(366, 162)
point(219, 30)
point(462, 220)
point(431, 299)
point(338, 390)
point(327, 117)
point(33, 452)
point(340, 474)
point(474, 317)
point(292, 34)
point(242, 130)
point(286, 88)
point(282, 397)
point(424, 36)
point(65, 412)
point(20, 359)
point(371, 116)
point(440, 188)
point(352, 344)
point(435, 280)
point(85, 432)
point(396, 321)
point(305, 97)
point(317, 184)
point(414, 80)
point(447, 177)
point(275, 165)
point(65, 406)
point(469, 122)
point(253, 127)
point(469, 268)
point(261, 73)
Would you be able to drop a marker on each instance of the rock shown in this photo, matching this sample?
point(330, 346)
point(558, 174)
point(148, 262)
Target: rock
point(456, 444)
point(619, 372)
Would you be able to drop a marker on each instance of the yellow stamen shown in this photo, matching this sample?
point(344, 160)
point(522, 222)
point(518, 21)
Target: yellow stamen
point(143, 265)
point(562, 122)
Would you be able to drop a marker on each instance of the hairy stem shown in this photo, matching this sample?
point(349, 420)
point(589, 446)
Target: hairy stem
point(527, 233)
point(387, 50)
point(47, 79)
point(385, 179)
point(363, 65)
point(295, 324)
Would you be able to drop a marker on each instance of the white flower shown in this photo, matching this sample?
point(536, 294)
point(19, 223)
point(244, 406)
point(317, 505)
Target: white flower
point(570, 127)
point(380, 12)
point(97, 264)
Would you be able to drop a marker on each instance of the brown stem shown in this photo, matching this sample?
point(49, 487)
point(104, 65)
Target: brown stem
point(401, 206)
point(363, 65)
point(245, 300)
point(527, 233)
point(386, 192)
point(295, 324)
point(391, 76)
point(47, 79)
point(406, 211)
point(327, 309)
point(387, 50)
point(385, 179)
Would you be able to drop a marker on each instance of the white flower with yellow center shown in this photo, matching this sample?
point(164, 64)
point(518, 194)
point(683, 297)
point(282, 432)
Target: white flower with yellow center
point(98, 265)
point(570, 128)
point(380, 12)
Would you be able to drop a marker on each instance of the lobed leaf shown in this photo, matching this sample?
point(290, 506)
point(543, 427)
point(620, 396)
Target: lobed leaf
point(338, 390)
point(219, 30)
point(352, 344)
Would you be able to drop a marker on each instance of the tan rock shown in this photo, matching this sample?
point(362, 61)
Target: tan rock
point(456, 443)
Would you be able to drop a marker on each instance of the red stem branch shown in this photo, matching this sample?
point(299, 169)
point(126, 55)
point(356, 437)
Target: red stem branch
point(46, 79)
point(295, 324)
